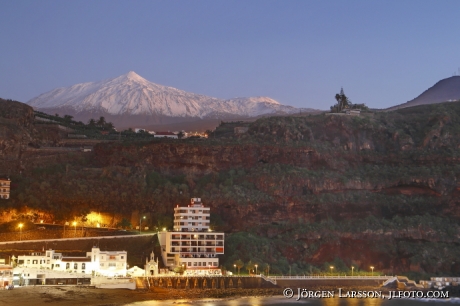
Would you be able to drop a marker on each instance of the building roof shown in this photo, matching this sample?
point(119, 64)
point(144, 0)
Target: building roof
point(75, 259)
point(165, 133)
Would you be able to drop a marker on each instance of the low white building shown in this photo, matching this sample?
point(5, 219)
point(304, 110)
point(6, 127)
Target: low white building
point(165, 135)
point(151, 266)
point(97, 262)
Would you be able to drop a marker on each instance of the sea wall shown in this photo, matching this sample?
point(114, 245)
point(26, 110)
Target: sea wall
point(220, 282)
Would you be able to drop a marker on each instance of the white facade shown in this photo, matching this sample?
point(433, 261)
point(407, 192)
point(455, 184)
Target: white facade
point(5, 188)
point(192, 245)
point(165, 135)
point(107, 263)
point(194, 218)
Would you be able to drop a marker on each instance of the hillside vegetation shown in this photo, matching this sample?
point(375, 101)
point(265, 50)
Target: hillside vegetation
point(295, 193)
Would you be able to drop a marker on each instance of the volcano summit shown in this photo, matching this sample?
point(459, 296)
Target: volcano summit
point(132, 100)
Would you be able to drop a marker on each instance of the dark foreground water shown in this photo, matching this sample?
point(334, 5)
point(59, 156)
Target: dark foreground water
point(279, 300)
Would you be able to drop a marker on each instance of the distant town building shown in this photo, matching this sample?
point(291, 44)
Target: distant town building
point(6, 275)
point(192, 245)
point(240, 129)
point(106, 263)
point(139, 130)
point(5, 188)
point(353, 112)
point(165, 135)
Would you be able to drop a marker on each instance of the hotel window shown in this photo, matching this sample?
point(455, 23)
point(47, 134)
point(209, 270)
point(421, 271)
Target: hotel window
point(75, 266)
point(34, 262)
point(102, 264)
point(112, 264)
point(57, 265)
point(67, 265)
point(28, 261)
point(112, 257)
point(83, 266)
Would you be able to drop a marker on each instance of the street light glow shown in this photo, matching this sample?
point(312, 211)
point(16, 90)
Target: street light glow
point(75, 225)
point(140, 223)
point(20, 230)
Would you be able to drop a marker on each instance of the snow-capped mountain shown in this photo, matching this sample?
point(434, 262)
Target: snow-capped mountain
point(130, 94)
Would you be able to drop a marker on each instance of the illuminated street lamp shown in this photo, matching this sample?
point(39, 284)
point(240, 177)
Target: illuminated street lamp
point(140, 223)
point(75, 226)
point(234, 269)
point(331, 267)
point(256, 268)
point(352, 268)
point(372, 268)
point(20, 230)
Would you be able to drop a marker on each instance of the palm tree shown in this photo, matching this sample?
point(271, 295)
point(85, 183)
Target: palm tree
point(239, 264)
point(92, 122)
point(101, 121)
point(109, 125)
point(249, 266)
point(68, 118)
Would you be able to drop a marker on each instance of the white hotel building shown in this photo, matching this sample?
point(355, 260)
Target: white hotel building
point(192, 245)
point(106, 263)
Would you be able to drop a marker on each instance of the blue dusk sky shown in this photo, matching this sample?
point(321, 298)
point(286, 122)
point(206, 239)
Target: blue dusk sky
point(299, 53)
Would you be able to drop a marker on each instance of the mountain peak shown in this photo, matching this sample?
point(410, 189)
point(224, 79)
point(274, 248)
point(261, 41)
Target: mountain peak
point(133, 76)
point(445, 90)
point(131, 94)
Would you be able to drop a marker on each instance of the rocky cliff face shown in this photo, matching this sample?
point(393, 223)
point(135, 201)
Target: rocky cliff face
point(380, 189)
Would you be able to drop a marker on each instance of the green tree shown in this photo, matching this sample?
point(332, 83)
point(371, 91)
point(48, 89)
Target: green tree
point(124, 223)
point(239, 264)
point(249, 266)
point(342, 101)
point(101, 121)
